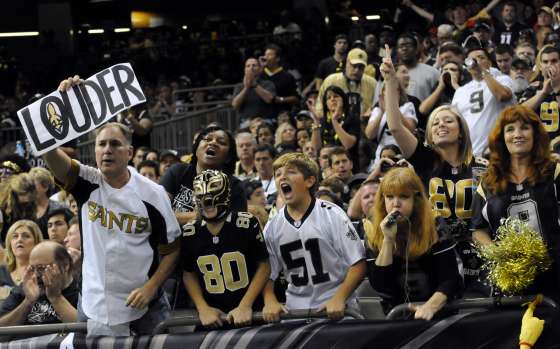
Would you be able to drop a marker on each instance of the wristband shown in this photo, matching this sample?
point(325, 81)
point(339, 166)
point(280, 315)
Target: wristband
point(525, 343)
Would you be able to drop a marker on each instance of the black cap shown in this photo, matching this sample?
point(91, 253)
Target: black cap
point(520, 61)
point(167, 152)
point(482, 26)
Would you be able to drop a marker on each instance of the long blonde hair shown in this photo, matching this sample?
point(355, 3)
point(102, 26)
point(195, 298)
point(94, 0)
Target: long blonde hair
point(422, 228)
point(9, 255)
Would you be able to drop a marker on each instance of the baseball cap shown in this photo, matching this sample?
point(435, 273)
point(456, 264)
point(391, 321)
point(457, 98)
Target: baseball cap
point(545, 9)
point(303, 114)
point(520, 61)
point(357, 56)
point(482, 26)
point(357, 179)
point(167, 152)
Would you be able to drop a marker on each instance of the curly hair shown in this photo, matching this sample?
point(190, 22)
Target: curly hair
point(423, 234)
point(497, 176)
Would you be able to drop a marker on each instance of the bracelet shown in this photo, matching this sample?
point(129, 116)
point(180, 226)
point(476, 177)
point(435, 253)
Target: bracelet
point(315, 127)
point(525, 343)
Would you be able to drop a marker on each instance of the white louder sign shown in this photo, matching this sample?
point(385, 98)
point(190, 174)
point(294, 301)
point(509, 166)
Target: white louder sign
point(63, 116)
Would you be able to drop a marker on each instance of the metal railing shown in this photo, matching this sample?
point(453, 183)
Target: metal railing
point(193, 319)
point(401, 310)
point(175, 133)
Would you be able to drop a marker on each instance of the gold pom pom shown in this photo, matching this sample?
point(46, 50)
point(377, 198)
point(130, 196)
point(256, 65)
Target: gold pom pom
point(517, 256)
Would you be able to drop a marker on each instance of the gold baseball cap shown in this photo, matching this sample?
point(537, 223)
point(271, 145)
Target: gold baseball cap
point(357, 56)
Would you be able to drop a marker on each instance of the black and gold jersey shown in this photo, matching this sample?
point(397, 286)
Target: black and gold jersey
point(224, 263)
point(536, 205)
point(550, 116)
point(461, 182)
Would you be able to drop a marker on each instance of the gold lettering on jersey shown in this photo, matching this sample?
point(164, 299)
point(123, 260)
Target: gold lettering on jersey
point(125, 222)
point(113, 219)
point(458, 190)
point(550, 116)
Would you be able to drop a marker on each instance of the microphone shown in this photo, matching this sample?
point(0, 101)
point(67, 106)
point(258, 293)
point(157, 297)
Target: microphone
point(393, 218)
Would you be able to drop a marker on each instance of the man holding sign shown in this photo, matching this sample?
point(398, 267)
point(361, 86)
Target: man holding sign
point(124, 218)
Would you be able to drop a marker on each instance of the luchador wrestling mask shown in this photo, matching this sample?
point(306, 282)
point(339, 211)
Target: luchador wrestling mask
point(211, 189)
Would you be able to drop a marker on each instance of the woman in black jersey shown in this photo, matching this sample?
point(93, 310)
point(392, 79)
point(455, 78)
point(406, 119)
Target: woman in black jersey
point(447, 168)
point(521, 182)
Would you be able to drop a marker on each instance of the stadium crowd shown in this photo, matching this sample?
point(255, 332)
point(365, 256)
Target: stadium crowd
point(404, 149)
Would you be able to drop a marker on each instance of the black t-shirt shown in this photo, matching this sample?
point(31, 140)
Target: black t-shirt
point(225, 263)
point(505, 35)
point(42, 311)
point(350, 124)
point(178, 181)
point(285, 85)
point(327, 67)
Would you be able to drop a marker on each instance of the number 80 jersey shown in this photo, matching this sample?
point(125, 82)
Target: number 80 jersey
point(314, 253)
point(225, 263)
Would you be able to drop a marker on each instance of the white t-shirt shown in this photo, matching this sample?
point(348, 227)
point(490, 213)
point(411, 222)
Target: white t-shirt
point(476, 103)
point(122, 232)
point(384, 136)
point(314, 253)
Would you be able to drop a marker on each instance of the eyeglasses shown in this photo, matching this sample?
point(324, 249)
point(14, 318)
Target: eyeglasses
point(39, 268)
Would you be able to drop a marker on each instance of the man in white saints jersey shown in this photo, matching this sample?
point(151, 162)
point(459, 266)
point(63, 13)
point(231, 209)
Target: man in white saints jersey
point(126, 222)
point(314, 243)
point(481, 100)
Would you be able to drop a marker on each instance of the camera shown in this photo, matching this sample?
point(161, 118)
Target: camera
point(470, 63)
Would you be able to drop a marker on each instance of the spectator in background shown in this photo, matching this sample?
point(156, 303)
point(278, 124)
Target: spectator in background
point(507, 28)
point(265, 134)
point(526, 50)
point(164, 107)
point(358, 87)
point(362, 202)
point(483, 32)
point(423, 78)
point(334, 63)
point(44, 184)
point(450, 52)
point(10, 165)
point(542, 35)
point(285, 137)
point(544, 18)
point(302, 137)
point(73, 244)
point(264, 157)
point(372, 49)
point(17, 201)
point(338, 125)
point(520, 73)
point(341, 165)
point(480, 100)
point(450, 80)
point(139, 155)
point(254, 97)
point(310, 150)
point(48, 292)
point(167, 158)
point(22, 236)
point(58, 223)
point(504, 57)
point(254, 192)
point(149, 169)
point(544, 100)
point(245, 145)
point(153, 155)
point(138, 120)
point(324, 161)
point(286, 94)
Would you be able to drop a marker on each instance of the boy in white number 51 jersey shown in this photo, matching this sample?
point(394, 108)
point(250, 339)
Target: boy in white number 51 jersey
point(313, 242)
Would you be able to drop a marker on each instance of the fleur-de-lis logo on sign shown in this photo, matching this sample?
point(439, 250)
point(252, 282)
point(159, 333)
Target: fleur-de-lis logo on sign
point(54, 118)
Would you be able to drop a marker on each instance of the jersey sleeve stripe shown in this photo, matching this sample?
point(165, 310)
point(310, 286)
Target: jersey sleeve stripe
point(72, 176)
point(164, 249)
